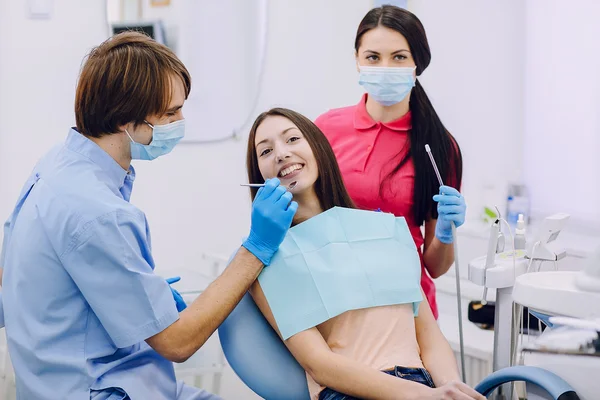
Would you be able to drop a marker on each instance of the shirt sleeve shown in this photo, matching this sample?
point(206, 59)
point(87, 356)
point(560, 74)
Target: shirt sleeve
point(6, 233)
point(110, 262)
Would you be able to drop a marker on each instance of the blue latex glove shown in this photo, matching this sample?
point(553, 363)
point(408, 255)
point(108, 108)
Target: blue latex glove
point(272, 213)
point(451, 208)
point(176, 295)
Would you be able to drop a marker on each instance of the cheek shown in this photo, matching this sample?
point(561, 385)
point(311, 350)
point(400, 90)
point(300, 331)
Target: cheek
point(314, 168)
point(265, 169)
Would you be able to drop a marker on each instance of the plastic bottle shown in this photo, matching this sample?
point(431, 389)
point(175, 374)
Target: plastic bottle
point(520, 233)
point(518, 203)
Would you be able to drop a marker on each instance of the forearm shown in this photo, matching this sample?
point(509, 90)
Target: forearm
point(438, 257)
point(200, 319)
point(354, 379)
point(438, 358)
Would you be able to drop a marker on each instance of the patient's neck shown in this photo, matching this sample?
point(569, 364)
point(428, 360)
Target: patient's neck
point(308, 206)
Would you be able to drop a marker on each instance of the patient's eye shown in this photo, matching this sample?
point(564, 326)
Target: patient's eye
point(265, 152)
point(293, 139)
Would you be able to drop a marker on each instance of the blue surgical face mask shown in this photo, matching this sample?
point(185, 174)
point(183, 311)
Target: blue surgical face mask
point(387, 85)
point(164, 138)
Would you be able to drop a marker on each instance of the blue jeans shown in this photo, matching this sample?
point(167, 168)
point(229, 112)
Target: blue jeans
point(419, 375)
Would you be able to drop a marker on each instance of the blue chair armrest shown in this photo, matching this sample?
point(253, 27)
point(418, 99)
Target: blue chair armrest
point(554, 385)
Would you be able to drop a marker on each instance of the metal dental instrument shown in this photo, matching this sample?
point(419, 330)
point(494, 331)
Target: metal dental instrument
point(456, 273)
point(257, 185)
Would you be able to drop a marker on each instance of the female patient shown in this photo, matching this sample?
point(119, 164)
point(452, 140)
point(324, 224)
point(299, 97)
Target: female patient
point(360, 353)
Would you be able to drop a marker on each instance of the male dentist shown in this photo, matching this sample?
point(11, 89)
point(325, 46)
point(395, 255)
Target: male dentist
point(85, 315)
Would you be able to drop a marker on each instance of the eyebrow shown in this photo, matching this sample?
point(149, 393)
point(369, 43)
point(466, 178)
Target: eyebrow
point(173, 109)
point(395, 52)
point(282, 132)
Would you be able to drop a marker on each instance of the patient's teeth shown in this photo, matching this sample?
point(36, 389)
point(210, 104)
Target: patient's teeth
point(291, 169)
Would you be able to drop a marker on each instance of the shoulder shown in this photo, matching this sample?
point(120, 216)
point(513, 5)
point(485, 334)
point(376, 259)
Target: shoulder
point(454, 174)
point(336, 118)
point(79, 196)
point(455, 152)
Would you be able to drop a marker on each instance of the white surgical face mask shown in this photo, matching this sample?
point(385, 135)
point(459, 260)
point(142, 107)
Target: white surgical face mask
point(164, 139)
point(387, 85)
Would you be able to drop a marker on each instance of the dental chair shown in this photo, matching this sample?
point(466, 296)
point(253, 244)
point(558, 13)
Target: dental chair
point(261, 360)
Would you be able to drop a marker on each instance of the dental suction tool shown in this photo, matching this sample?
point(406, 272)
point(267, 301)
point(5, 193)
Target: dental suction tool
point(456, 273)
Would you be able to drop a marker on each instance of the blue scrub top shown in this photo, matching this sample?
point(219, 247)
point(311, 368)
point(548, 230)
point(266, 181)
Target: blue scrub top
point(79, 290)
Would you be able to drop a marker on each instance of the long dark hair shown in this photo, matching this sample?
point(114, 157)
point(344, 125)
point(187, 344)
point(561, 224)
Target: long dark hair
point(329, 186)
point(427, 128)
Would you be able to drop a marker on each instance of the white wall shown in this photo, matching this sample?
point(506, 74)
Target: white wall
point(562, 99)
point(39, 64)
point(475, 81)
point(193, 199)
point(224, 71)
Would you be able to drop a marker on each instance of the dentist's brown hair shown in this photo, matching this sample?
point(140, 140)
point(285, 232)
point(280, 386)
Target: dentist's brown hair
point(329, 186)
point(125, 79)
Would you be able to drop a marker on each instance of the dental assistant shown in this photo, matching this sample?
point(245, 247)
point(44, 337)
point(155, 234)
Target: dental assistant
point(86, 317)
point(380, 142)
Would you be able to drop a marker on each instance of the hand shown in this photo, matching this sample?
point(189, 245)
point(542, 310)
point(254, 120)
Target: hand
point(272, 213)
point(451, 209)
point(176, 295)
point(454, 390)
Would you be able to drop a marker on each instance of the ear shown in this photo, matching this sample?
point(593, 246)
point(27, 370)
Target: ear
point(356, 59)
point(125, 127)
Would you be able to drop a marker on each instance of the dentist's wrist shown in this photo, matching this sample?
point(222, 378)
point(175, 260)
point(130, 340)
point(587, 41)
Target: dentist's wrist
point(259, 249)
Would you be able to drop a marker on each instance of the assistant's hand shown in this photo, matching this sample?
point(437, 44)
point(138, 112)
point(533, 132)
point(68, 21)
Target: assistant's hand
point(176, 295)
point(272, 213)
point(451, 208)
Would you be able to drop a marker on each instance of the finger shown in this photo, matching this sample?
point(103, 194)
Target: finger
point(284, 200)
point(277, 193)
point(470, 392)
point(458, 394)
point(449, 210)
point(292, 208)
point(270, 186)
point(456, 218)
point(259, 193)
point(448, 199)
point(448, 190)
point(462, 396)
point(173, 279)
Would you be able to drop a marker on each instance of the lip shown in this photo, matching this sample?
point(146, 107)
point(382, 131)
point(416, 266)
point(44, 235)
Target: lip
point(293, 174)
